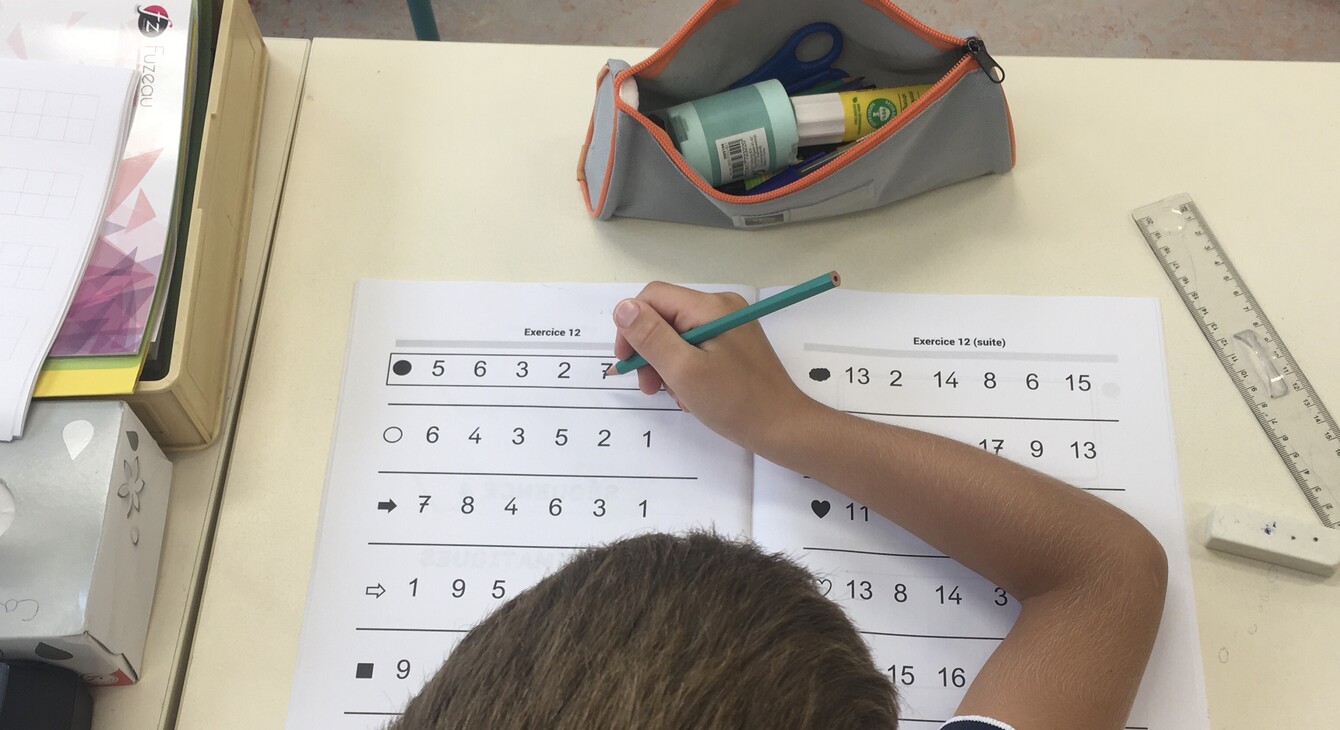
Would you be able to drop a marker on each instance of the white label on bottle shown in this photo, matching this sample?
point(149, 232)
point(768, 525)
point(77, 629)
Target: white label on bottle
point(743, 154)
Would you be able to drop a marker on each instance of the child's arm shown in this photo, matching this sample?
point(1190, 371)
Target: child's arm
point(1090, 579)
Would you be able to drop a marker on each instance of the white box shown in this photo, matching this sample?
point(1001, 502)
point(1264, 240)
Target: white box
point(83, 499)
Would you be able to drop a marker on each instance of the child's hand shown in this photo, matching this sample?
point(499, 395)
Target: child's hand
point(1061, 552)
point(733, 383)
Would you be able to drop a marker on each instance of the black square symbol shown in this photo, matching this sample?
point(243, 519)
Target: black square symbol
point(363, 671)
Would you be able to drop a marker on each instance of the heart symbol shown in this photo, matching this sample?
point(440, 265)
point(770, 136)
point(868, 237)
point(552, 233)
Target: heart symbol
point(820, 508)
point(78, 435)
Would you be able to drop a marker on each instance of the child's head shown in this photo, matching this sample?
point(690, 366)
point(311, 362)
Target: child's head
point(662, 632)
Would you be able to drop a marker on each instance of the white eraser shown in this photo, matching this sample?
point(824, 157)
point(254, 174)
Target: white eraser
point(1306, 546)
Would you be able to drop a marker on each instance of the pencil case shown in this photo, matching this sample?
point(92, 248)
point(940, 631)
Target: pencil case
point(958, 129)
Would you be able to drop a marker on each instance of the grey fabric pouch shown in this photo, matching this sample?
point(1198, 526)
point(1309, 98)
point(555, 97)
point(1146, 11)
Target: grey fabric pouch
point(957, 130)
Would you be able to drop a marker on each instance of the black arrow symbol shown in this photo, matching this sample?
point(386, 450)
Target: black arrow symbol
point(388, 505)
point(375, 591)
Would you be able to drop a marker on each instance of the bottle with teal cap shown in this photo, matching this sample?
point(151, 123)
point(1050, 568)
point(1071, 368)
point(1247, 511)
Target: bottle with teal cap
point(735, 134)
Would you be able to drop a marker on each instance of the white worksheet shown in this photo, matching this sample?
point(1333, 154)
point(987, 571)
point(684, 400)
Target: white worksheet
point(1075, 387)
point(478, 444)
point(62, 128)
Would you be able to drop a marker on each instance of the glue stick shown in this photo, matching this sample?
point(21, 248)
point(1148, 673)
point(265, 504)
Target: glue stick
point(849, 115)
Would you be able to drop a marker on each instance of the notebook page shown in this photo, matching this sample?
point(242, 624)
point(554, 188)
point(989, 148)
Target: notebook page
point(62, 128)
point(1074, 387)
point(477, 446)
point(131, 255)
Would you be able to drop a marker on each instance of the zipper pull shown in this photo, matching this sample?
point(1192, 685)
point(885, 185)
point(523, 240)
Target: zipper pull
point(977, 48)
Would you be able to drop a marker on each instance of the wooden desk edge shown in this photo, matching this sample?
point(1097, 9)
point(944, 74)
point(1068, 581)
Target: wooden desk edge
point(198, 474)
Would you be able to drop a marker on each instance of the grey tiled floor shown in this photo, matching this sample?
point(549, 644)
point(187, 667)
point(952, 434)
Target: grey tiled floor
point(1287, 30)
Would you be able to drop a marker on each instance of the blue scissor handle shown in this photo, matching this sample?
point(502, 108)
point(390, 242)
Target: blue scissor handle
point(786, 66)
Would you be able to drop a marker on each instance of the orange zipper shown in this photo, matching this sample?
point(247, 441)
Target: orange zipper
point(663, 139)
point(926, 32)
point(654, 64)
point(863, 144)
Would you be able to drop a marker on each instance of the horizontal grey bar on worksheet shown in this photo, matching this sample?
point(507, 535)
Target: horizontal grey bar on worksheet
point(528, 345)
point(965, 354)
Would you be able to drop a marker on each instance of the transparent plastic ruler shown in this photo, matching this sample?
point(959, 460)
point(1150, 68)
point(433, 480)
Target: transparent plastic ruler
point(1252, 353)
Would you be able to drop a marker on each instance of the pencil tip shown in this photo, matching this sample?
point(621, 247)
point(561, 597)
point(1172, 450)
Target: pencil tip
point(837, 278)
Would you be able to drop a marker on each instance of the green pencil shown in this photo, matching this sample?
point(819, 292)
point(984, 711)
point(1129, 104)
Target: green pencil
point(746, 315)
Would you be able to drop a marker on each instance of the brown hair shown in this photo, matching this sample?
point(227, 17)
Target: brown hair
point(662, 632)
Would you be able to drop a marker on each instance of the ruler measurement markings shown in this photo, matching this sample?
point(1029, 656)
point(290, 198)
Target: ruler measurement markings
point(1178, 250)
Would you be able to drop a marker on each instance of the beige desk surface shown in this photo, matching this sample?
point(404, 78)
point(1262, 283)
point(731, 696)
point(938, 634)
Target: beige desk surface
point(197, 476)
point(451, 161)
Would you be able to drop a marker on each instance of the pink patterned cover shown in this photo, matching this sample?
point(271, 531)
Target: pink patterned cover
point(111, 307)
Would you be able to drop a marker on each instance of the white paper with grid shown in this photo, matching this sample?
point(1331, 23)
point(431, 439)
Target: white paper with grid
point(62, 129)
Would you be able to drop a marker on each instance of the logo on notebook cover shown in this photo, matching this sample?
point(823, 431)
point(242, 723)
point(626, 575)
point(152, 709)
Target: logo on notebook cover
point(153, 20)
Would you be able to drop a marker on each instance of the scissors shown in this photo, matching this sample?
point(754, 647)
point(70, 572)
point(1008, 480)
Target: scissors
point(796, 75)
